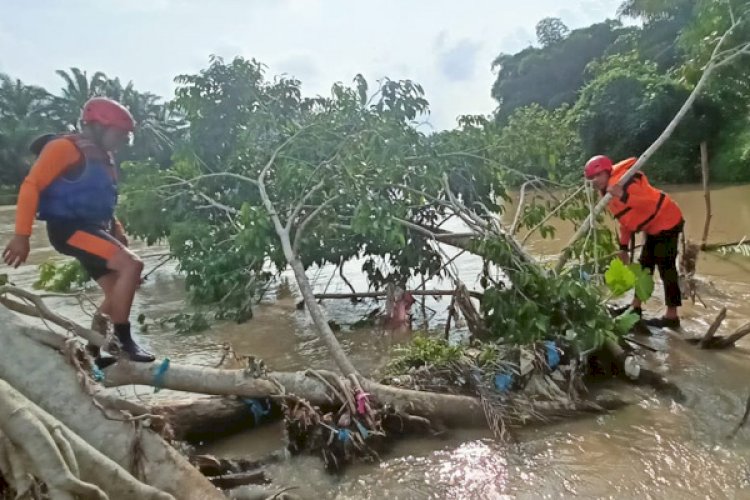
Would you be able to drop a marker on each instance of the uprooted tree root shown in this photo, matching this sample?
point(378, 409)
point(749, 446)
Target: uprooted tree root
point(358, 429)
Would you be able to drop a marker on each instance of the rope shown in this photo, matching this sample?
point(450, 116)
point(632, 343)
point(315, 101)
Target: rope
point(97, 373)
point(553, 356)
point(343, 435)
point(161, 372)
point(362, 429)
point(257, 409)
point(363, 400)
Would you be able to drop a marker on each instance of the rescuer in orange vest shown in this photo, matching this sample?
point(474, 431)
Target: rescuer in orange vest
point(638, 206)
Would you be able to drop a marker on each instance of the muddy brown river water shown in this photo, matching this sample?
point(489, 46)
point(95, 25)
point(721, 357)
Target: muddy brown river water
point(654, 449)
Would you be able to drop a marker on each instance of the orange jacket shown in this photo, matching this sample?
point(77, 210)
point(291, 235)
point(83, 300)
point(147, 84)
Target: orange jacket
point(641, 207)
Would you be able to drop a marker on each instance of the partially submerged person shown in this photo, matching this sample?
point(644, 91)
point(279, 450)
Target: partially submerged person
point(73, 187)
point(638, 206)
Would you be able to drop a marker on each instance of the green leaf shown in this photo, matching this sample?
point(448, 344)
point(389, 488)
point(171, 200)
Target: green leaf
point(625, 322)
point(644, 282)
point(619, 278)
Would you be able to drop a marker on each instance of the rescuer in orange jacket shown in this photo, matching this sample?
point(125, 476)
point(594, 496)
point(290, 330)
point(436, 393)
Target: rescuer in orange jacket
point(638, 206)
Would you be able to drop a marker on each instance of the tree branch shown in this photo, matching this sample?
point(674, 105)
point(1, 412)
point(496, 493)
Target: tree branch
point(40, 309)
point(300, 206)
point(551, 214)
point(519, 210)
point(262, 177)
point(201, 177)
point(213, 203)
point(301, 228)
point(441, 237)
point(316, 312)
point(713, 328)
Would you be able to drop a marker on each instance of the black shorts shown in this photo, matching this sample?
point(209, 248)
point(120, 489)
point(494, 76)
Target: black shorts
point(91, 244)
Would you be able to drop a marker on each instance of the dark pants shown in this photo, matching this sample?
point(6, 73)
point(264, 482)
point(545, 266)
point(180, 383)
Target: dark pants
point(660, 250)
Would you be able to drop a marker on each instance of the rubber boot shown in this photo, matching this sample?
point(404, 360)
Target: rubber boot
point(129, 346)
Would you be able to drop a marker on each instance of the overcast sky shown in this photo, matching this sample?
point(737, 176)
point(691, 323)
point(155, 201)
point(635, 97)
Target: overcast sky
point(447, 46)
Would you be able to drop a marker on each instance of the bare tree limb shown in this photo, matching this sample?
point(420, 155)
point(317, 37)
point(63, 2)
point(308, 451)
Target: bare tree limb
point(737, 335)
point(262, 177)
point(742, 421)
point(316, 312)
point(231, 175)
point(442, 236)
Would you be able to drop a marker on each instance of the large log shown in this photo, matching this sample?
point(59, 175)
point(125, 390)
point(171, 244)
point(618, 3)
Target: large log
point(47, 379)
point(451, 410)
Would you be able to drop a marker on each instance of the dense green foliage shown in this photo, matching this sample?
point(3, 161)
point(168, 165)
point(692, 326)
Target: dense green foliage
point(422, 350)
point(626, 83)
point(352, 158)
point(552, 75)
point(343, 173)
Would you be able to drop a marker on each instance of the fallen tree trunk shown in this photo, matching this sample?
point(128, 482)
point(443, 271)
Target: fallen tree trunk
point(46, 378)
point(190, 378)
point(454, 411)
point(450, 410)
point(208, 418)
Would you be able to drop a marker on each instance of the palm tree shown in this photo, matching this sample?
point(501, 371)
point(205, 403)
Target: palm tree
point(66, 108)
point(22, 118)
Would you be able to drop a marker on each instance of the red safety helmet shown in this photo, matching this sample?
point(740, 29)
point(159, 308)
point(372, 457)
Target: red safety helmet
point(108, 113)
point(597, 165)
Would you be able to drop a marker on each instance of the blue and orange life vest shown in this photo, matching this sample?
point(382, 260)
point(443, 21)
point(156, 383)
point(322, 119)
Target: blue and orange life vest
point(87, 192)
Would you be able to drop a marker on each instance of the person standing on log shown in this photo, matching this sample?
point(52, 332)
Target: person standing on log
point(73, 187)
point(638, 206)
